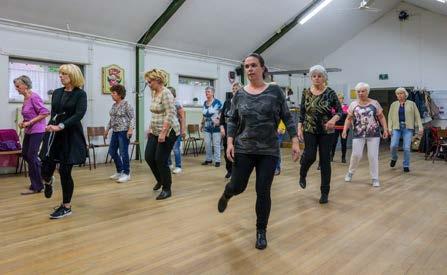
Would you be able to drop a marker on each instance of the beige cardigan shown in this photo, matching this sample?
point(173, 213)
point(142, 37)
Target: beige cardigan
point(412, 116)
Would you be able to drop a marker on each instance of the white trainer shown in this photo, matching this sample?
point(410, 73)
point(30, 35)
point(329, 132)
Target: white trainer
point(123, 178)
point(171, 166)
point(177, 170)
point(375, 183)
point(115, 176)
point(348, 177)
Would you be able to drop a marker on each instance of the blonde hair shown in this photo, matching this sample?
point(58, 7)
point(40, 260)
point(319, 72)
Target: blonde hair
point(156, 74)
point(401, 90)
point(74, 73)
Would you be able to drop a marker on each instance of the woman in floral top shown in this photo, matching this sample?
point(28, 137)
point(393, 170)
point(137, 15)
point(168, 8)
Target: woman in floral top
point(122, 124)
point(163, 131)
point(320, 110)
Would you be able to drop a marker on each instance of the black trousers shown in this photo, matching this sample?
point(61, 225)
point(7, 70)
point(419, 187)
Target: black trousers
point(265, 170)
point(48, 168)
point(228, 163)
point(322, 143)
point(157, 154)
point(343, 143)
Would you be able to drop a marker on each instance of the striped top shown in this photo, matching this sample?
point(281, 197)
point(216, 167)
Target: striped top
point(163, 110)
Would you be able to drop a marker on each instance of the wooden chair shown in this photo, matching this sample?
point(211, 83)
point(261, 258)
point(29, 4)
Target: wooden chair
point(193, 139)
point(441, 145)
point(92, 134)
point(11, 135)
point(135, 145)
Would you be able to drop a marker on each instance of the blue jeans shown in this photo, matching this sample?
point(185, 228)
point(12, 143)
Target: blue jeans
point(120, 141)
point(177, 153)
point(212, 139)
point(406, 135)
point(278, 163)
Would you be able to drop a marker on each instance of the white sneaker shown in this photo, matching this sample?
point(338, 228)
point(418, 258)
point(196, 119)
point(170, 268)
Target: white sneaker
point(123, 178)
point(375, 183)
point(177, 170)
point(348, 177)
point(171, 166)
point(115, 176)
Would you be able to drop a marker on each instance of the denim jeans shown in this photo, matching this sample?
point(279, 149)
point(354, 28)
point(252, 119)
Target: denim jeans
point(212, 139)
point(406, 135)
point(120, 141)
point(177, 153)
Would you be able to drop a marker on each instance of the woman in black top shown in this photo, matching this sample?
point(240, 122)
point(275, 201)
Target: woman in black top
point(224, 114)
point(339, 129)
point(320, 110)
point(64, 142)
point(252, 143)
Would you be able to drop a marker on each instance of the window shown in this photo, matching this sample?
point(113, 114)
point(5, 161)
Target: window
point(192, 87)
point(44, 76)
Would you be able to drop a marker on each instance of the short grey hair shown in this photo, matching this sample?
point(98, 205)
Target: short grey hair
point(211, 89)
point(401, 90)
point(318, 69)
point(25, 80)
point(362, 85)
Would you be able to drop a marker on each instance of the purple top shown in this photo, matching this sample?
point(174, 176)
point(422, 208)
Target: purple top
point(31, 108)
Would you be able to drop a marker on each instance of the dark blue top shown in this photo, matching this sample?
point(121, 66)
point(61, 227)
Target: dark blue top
point(402, 113)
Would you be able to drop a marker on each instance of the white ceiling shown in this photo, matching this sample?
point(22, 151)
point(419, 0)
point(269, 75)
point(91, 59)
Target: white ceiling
point(223, 28)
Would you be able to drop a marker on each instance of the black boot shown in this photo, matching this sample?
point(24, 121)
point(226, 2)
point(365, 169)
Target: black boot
point(392, 163)
point(223, 202)
point(324, 198)
point(261, 239)
point(343, 159)
point(48, 188)
point(164, 195)
point(302, 182)
point(157, 186)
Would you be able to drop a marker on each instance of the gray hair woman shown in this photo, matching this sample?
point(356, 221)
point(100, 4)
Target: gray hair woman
point(403, 117)
point(34, 113)
point(316, 127)
point(365, 114)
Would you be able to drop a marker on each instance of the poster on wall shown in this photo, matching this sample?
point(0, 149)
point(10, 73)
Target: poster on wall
point(440, 99)
point(111, 75)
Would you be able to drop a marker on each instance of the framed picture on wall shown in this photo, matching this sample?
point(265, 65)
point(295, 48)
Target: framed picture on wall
point(111, 75)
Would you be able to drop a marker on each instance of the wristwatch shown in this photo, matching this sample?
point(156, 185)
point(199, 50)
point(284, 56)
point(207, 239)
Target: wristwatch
point(61, 125)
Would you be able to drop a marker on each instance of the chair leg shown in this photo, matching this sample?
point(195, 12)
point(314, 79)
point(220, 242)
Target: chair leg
point(131, 152)
point(185, 147)
point(140, 157)
point(94, 158)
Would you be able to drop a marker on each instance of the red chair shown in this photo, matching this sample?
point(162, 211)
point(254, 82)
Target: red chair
point(10, 149)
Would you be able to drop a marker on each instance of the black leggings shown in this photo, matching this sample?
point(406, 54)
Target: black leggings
point(322, 142)
point(157, 155)
point(343, 143)
point(265, 170)
point(48, 168)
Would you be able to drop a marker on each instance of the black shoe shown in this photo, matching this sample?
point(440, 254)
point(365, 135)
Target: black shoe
point(343, 159)
point(406, 169)
point(48, 188)
point(332, 158)
point(392, 163)
point(164, 195)
point(222, 204)
point(157, 186)
point(217, 164)
point(228, 175)
point(302, 182)
point(319, 167)
point(323, 198)
point(60, 212)
point(261, 239)
point(206, 162)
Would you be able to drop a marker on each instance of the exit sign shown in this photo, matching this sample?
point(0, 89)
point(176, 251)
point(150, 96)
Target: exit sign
point(383, 76)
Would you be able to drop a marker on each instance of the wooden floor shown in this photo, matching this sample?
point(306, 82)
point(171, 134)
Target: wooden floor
point(399, 228)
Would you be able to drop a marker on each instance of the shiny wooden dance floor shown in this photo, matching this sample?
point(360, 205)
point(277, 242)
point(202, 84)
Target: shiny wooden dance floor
point(399, 228)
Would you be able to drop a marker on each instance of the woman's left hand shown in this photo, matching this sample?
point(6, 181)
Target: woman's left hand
point(129, 134)
point(296, 151)
point(53, 128)
point(421, 131)
point(161, 138)
point(330, 125)
point(385, 134)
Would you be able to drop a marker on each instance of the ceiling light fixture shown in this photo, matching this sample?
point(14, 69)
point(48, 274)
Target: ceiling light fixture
point(442, 1)
point(315, 11)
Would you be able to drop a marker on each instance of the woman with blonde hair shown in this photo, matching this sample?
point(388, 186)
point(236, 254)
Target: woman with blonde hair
point(65, 144)
point(403, 118)
point(163, 131)
point(366, 115)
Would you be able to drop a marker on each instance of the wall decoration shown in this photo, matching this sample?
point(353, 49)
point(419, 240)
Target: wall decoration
point(111, 75)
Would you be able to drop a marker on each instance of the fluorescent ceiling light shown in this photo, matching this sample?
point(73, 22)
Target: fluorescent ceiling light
point(442, 1)
point(316, 10)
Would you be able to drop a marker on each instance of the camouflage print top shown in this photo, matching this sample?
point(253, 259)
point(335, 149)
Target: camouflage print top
point(253, 121)
point(316, 110)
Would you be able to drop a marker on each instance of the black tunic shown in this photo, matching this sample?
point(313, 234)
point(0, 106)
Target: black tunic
point(69, 145)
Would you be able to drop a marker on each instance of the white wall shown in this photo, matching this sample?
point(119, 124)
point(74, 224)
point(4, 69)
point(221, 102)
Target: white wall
point(412, 53)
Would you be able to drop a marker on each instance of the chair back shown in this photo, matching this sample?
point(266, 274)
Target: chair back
point(94, 132)
point(9, 140)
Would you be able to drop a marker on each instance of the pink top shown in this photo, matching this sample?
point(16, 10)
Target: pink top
point(32, 107)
